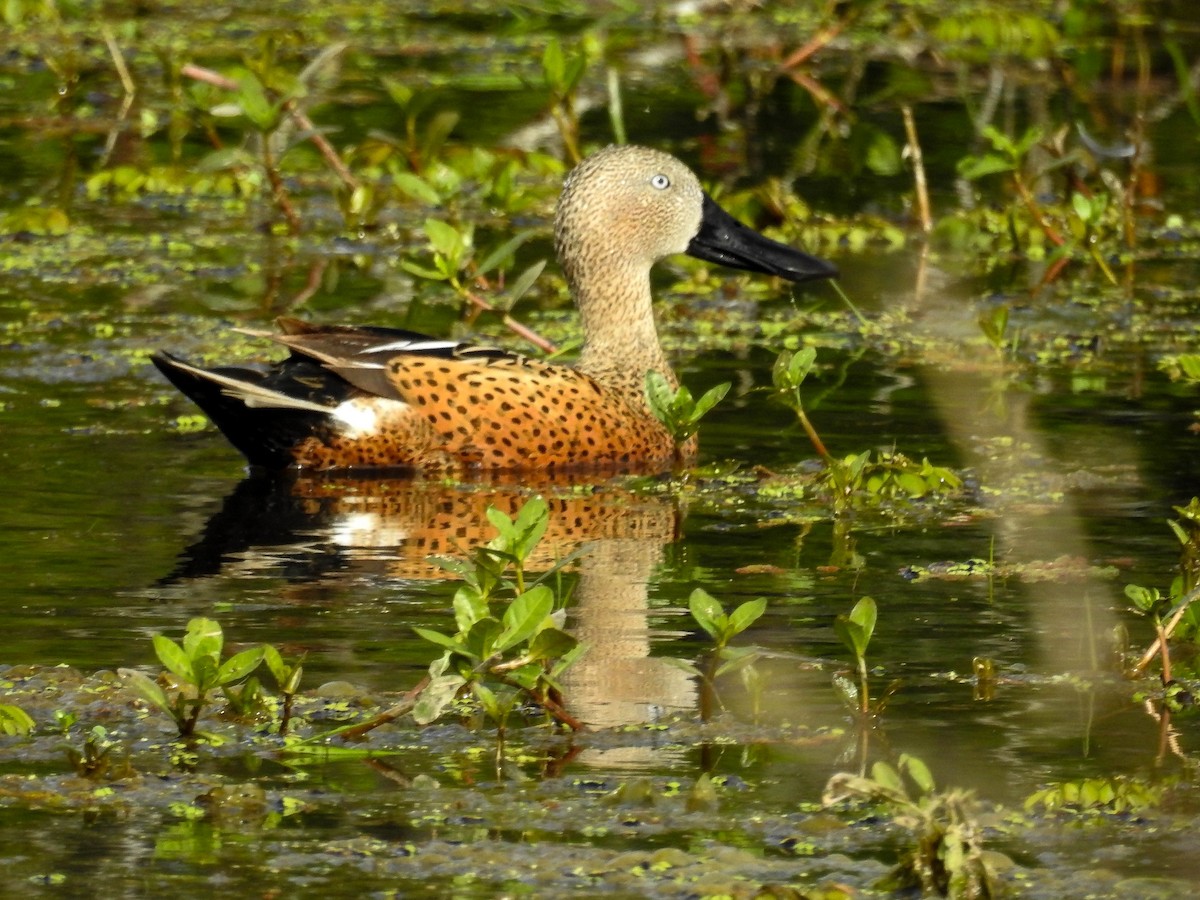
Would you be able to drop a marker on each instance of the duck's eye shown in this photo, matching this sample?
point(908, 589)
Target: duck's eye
point(662, 182)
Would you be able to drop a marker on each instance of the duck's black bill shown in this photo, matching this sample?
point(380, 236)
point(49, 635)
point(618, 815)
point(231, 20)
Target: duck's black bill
point(723, 239)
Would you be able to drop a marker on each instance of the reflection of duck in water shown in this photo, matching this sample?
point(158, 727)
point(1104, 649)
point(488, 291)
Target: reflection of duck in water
point(319, 531)
point(320, 524)
point(375, 397)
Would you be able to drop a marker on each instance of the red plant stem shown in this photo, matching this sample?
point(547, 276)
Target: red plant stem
point(513, 325)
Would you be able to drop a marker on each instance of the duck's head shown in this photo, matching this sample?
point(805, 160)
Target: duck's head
point(632, 206)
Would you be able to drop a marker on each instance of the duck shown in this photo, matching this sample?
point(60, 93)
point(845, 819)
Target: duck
point(374, 398)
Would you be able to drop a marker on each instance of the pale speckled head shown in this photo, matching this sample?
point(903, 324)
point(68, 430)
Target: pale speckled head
point(631, 202)
point(631, 206)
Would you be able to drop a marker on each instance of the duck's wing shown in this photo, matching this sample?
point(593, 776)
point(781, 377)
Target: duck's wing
point(362, 356)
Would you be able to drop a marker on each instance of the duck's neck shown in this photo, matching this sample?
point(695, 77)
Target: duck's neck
point(620, 337)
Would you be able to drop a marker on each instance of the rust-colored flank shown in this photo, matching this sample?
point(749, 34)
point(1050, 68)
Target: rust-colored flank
point(368, 397)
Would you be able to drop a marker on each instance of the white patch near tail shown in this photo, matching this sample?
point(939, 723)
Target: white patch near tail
point(360, 416)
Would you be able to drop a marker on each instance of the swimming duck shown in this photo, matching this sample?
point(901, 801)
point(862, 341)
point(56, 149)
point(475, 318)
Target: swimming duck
point(369, 397)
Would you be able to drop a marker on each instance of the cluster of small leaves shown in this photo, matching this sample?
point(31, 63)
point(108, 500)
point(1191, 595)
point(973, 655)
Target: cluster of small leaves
point(501, 657)
point(887, 475)
point(453, 259)
point(1104, 795)
point(676, 409)
point(945, 856)
point(197, 669)
point(99, 756)
point(14, 720)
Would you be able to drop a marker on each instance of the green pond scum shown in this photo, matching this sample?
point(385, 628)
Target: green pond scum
point(919, 621)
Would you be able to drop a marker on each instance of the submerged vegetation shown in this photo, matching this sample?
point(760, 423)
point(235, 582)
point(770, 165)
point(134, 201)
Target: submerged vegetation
point(1009, 190)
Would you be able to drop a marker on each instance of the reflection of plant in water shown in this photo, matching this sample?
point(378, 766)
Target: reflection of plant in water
point(946, 856)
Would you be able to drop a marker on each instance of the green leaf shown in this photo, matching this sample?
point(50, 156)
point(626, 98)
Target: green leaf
point(469, 608)
point(887, 777)
point(397, 89)
point(850, 635)
point(417, 188)
point(255, 105)
point(504, 253)
point(14, 720)
point(506, 529)
point(488, 700)
point(446, 239)
point(148, 689)
point(1082, 206)
point(550, 644)
point(683, 665)
point(423, 271)
point(918, 772)
point(437, 694)
point(709, 399)
point(442, 640)
point(275, 664)
point(864, 615)
point(791, 369)
point(1143, 598)
point(567, 660)
point(527, 676)
point(553, 65)
point(525, 616)
point(973, 168)
point(203, 638)
point(883, 154)
point(523, 282)
point(240, 665)
point(746, 614)
point(661, 399)
point(736, 658)
point(481, 640)
point(171, 655)
point(707, 612)
point(436, 133)
point(532, 520)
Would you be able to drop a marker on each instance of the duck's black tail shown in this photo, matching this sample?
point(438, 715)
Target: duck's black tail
point(264, 414)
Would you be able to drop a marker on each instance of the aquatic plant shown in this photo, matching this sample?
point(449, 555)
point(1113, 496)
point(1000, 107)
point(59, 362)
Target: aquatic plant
point(855, 631)
point(505, 657)
point(287, 678)
point(945, 856)
point(1174, 615)
point(1097, 795)
point(722, 659)
point(509, 647)
point(678, 411)
point(862, 476)
point(197, 666)
point(99, 756)
point(14, 720)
